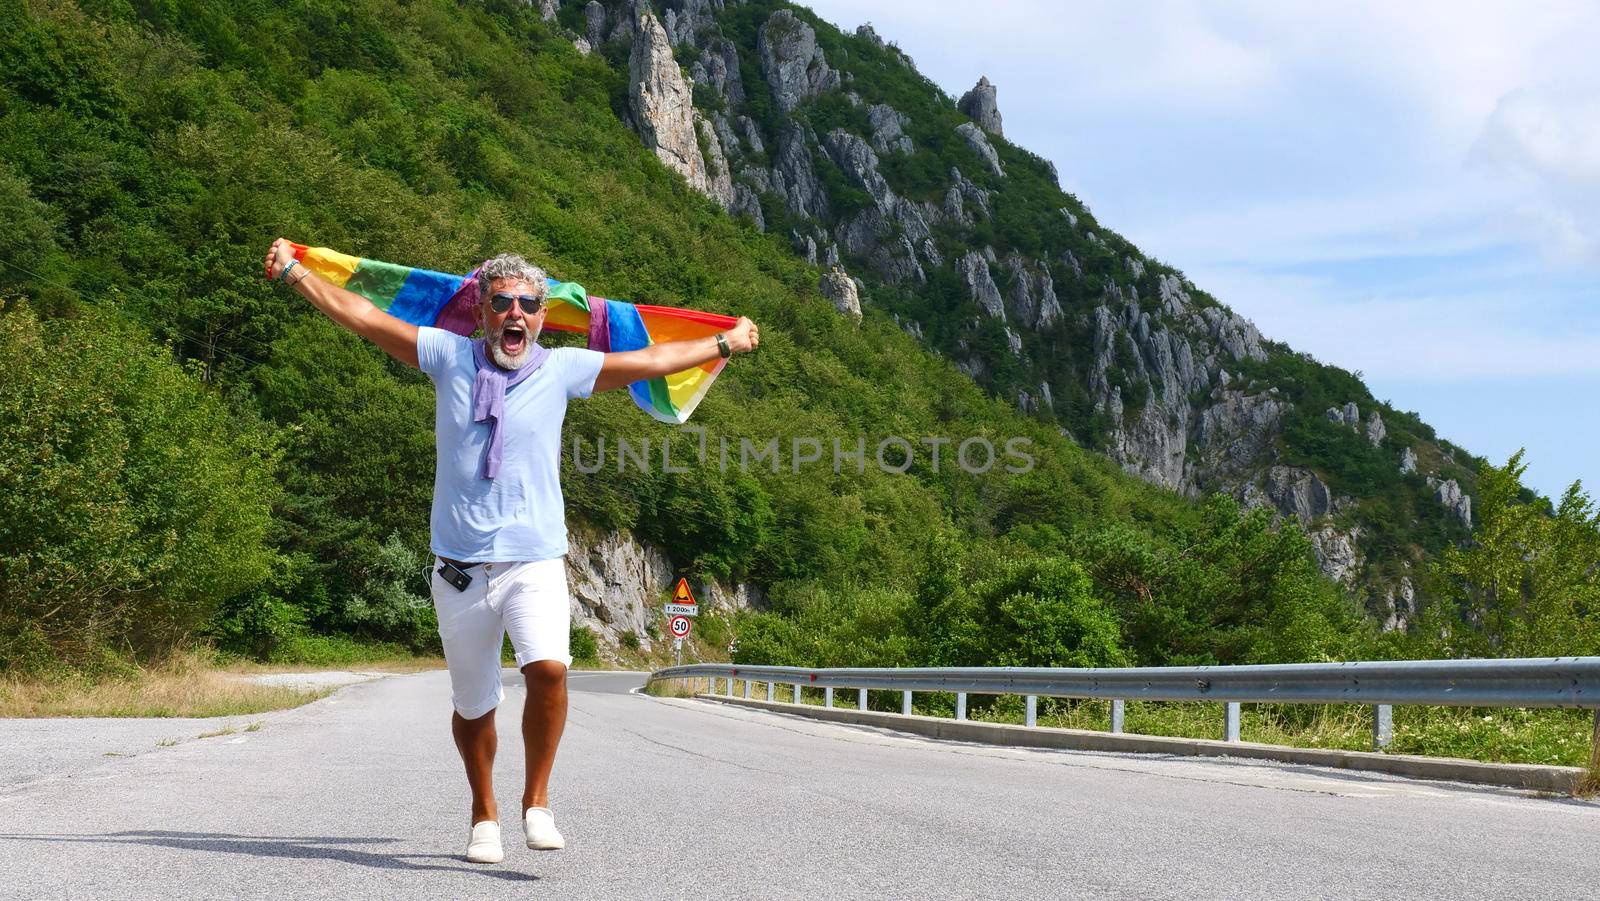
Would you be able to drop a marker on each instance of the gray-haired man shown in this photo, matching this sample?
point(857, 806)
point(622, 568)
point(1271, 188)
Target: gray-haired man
point(498, 522)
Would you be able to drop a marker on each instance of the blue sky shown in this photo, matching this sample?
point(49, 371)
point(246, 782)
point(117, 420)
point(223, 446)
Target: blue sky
point(1411, 190)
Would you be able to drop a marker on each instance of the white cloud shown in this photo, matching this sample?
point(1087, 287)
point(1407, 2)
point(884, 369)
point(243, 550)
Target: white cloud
point(1548, 138)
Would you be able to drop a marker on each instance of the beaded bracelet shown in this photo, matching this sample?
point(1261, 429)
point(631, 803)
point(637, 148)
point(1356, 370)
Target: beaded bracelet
point(284, 273)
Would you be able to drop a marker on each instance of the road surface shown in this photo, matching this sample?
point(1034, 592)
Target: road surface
point(360, 795)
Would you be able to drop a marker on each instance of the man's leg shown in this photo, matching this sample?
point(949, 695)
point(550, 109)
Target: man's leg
point(476, 740)
point(544, 716)
point(471, 633)
point(538, 618)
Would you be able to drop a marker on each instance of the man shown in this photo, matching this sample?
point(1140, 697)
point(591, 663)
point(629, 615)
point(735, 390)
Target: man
point(498, 521)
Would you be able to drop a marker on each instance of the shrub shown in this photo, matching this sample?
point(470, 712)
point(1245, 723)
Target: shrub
point(132, 501)
point(585, 648)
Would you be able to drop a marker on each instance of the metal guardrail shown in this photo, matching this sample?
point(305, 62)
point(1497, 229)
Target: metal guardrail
point(1518, 682)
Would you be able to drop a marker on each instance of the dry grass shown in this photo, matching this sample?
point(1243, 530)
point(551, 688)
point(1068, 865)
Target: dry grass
point(670, 688)
point(390, 665)
point(185, 685)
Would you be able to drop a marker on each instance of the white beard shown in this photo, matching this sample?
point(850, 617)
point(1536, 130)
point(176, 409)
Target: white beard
point(498, 354)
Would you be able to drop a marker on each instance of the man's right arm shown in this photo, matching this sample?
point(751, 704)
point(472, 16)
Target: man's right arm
point(395, 337)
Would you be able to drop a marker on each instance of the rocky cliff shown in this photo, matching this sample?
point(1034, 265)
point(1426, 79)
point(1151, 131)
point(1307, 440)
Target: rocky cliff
point(916, 205)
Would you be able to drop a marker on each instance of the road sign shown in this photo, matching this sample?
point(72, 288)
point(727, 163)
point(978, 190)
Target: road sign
point(680, 626)
point(683, 603)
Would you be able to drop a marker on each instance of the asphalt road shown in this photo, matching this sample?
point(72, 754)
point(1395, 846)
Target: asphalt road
point(361, 796)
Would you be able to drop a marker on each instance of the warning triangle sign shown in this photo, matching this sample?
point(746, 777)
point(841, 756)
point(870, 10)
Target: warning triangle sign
point(681, 594)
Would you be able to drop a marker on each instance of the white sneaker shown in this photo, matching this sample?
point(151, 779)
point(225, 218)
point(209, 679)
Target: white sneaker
point(484, 846)
point(540, 825)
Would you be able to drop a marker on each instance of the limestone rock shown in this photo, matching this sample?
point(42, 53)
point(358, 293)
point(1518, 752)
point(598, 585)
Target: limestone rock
point(805, 245)
point(718, 178)
point(1298, 493)
point(974, 270)
point(1014, 342)
point(909, 326)
point(1236, 432)
point(626, 17)
point(594, 20)
point(1449, 493)
point(1336, 554)
point(791, 61)
point(964, 201)
point(1236, 334)
point(1070, 260)
point(612, 579)
point(975, 139)
point(742, 596)
point(866, 31)
point(746, 203)
point(1348, 415)
point(1375, 429)
point(837, 286)
point(663, 111)
point(795, 178)
point(980, 106)
point(1408, 461)
point(1032, 297)
point(890, 231)
point(1135, 267)
point(548, 9)
point(719, 61)
point(1174, 299)
point(1401, 602)
point(888, 129)
point(752, 134)
point(725, 133)
point(615, 581)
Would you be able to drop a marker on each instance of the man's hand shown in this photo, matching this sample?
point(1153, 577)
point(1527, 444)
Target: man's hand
point(626, 367)
point(278, 256)
point(395, 337)
point(743, 337)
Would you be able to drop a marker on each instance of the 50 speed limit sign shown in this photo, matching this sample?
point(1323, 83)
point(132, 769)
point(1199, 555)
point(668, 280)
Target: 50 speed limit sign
point(680, 626)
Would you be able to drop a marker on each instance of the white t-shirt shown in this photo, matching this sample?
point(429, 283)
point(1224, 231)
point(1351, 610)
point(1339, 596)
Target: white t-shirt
point(519, 514)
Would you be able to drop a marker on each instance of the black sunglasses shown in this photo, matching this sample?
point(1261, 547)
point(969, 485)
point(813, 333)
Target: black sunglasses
point(501, 302)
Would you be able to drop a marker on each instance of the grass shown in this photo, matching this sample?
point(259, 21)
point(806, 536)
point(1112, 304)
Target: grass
point(392, 664)
point(1496, 735)
point(187, 684)
point(669, 688)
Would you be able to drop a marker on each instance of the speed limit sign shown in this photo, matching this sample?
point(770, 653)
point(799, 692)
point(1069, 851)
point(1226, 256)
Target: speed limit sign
point(680, 626)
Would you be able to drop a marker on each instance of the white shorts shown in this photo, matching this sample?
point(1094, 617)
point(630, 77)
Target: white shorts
point(528, 600)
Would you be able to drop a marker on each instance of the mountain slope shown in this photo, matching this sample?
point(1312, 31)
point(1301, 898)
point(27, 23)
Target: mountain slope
point(920, 208)
point(152, 150)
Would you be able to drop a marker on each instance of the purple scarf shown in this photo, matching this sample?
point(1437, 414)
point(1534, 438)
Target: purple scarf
point(489, 396)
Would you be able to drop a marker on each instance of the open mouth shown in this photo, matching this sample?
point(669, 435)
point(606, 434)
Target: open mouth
point(513, 339)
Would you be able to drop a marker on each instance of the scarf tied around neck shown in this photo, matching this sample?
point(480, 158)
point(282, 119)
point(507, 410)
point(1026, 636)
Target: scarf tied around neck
point(489, 388)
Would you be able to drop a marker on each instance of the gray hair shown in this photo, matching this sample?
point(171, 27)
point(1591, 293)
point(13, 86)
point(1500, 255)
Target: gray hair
point(510, 265)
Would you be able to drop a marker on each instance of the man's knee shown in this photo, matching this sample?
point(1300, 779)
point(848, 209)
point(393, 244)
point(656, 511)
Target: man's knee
point(545, 674)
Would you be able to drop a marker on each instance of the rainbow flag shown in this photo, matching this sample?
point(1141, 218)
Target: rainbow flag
point(425, 297)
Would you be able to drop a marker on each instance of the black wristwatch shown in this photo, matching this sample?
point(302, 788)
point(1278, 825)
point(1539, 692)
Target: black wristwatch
point(722, 346)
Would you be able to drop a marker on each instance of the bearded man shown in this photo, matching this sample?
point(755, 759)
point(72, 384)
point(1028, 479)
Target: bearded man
point(498, 522)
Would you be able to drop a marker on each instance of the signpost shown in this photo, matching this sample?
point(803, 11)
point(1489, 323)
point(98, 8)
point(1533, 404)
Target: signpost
point(682, 607)
point(683, 602)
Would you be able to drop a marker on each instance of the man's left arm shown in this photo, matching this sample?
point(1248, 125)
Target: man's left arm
point(629, 366)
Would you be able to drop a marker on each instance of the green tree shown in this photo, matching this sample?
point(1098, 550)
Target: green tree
point(1529, 582)
point(132, 501)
